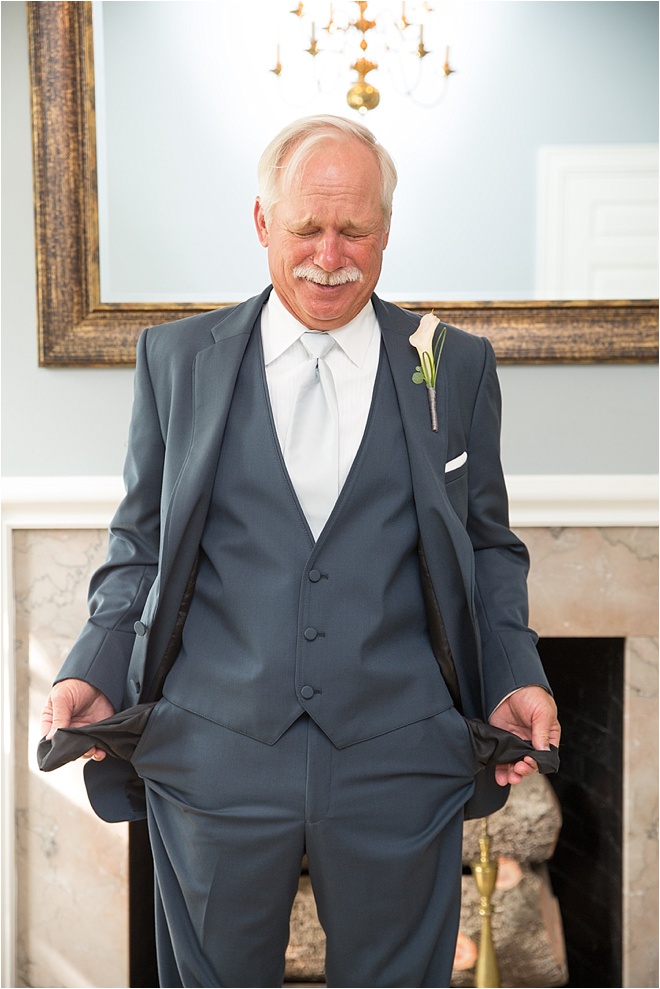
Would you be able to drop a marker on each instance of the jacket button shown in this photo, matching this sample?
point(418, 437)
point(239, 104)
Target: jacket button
point(314, 575)
point(310, 634)
point(307, 693)
point(140, 628)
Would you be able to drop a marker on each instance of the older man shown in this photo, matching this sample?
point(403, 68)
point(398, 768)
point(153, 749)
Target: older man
point(358, 595)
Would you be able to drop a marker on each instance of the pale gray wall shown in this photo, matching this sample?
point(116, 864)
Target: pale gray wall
point(59, 422)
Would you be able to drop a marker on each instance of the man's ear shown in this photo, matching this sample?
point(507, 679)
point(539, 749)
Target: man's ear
point(260, 223)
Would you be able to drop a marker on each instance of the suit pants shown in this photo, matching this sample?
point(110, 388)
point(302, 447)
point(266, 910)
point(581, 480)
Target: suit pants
point(230, 819)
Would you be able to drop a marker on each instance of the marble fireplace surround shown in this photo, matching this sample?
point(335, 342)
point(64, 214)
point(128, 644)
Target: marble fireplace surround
point(594, 549)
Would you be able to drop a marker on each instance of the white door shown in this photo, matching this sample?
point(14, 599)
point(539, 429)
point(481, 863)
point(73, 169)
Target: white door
point(598, 222)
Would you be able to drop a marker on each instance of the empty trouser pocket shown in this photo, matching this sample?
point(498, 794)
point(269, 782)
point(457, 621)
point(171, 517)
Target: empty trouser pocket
point(120, 734)
point(493, 746)
point(117, 735)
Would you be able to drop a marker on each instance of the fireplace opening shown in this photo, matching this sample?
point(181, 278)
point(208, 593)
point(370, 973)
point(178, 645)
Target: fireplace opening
point(586, 870)
point(143, 971)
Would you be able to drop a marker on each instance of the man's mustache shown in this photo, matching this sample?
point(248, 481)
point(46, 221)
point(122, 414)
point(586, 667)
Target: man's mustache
point(310, 273)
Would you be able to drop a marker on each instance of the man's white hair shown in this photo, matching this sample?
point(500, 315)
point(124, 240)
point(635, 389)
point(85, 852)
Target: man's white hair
point(295, 144)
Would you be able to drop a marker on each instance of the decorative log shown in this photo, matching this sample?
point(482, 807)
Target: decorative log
point(466, 953)
point(305, 956)
point(527, 827)
point(509, 873)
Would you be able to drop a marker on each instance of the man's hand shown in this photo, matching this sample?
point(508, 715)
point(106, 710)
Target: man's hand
point(529, 713)
point(73, 704)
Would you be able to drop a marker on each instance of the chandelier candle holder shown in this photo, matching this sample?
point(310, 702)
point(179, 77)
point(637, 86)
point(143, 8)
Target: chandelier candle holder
point(364, 42)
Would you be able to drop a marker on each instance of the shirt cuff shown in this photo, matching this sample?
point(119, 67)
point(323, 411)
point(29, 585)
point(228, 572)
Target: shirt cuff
point(512, 692)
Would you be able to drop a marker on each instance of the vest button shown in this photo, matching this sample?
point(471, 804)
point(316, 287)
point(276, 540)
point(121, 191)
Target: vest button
point(314, 575)
point(310, 634)
point(140, 628)
point(307, 693)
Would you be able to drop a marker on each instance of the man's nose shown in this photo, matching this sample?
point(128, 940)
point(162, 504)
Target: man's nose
point(328, 255)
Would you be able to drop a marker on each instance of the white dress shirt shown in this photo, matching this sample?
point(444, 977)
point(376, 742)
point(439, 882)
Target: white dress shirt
point(353, 362)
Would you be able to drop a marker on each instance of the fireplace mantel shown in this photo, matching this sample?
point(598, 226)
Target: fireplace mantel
point(547, 500)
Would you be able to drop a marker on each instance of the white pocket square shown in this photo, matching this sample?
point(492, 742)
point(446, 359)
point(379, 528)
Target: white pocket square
point(456, 462)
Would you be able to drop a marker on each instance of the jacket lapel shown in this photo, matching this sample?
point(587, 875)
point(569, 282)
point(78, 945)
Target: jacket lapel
point(214, 371)
point(427, 449)
point(446, 545)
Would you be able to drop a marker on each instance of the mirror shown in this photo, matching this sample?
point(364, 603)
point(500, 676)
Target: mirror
point(83, 324)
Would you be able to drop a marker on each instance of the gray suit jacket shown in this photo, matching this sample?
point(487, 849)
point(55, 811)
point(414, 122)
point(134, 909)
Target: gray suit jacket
point(473, 566)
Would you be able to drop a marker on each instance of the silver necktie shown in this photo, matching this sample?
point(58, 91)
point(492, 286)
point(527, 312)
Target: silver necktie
point(311, 450)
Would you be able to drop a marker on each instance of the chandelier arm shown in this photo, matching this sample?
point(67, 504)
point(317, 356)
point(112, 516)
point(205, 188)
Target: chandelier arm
point(394, 38)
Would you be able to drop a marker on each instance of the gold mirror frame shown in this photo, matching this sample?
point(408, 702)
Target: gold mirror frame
point(77, 329)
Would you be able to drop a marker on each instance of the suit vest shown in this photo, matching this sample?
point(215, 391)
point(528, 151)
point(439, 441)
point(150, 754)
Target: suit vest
point(279, 624)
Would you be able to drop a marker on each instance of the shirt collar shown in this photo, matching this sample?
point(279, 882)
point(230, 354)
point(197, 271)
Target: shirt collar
point(280, 330)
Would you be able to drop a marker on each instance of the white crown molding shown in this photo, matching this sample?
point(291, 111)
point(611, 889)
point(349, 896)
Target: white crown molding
point(553, 500)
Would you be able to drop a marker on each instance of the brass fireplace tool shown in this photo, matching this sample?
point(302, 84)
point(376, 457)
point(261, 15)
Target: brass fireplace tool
point(484, 870)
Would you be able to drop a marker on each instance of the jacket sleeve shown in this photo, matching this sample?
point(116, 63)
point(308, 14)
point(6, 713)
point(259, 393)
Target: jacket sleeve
point(509, 656)
point(119, 588)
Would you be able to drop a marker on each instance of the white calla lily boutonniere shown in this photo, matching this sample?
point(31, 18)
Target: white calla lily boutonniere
point(429, 358)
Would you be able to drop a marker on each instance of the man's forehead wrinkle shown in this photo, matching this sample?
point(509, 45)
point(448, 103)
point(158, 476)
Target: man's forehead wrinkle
point(307, 218)
point(322, 193)
point(331, 183)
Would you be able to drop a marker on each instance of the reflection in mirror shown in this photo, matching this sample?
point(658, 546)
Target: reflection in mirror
point(535, 177)
point(78, 328)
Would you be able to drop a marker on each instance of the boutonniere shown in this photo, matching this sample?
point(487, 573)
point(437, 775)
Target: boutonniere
point(429, 358)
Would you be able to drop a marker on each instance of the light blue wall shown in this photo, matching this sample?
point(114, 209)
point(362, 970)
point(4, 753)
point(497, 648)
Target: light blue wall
point(528, 75)
point(73, 422)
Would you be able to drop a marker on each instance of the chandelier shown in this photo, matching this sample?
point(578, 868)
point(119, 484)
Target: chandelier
point(338, 33)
